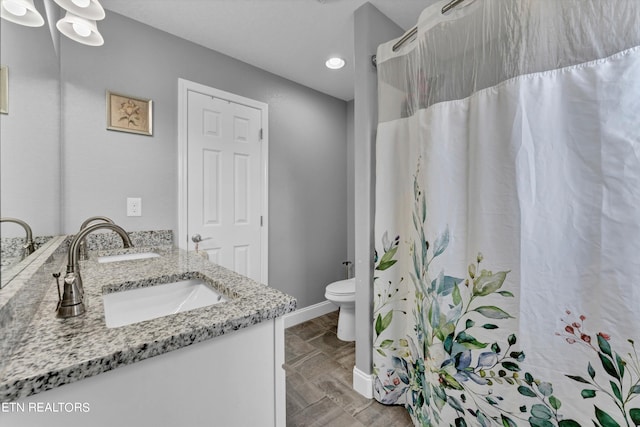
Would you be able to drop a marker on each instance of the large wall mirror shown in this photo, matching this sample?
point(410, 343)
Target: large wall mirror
point(29, 140)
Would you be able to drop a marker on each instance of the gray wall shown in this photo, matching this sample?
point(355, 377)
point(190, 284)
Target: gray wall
point(307, 143)
point(371, 29)
point(29, 134)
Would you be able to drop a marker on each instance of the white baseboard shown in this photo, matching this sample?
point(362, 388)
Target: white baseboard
point(308, 313)
point(363, 383)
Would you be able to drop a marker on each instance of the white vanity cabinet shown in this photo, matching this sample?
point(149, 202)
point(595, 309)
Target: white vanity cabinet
point(231, 380)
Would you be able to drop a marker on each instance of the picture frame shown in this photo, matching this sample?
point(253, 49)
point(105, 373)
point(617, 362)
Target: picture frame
point(129, 114)
point(4, 89)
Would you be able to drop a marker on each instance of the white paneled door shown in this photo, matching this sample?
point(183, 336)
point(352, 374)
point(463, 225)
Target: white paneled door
point(225, 174)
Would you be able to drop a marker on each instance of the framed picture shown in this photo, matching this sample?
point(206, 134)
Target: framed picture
point(129, 114)
point(4, 89)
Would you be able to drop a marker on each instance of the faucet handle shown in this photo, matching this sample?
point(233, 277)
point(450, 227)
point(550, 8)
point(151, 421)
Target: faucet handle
point(57, 276)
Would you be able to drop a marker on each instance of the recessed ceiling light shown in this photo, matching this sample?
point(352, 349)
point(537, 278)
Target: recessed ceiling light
point(335, 63)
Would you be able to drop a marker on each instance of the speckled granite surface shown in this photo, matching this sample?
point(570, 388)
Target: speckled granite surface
point(11, 261)
point(52, 352)
point(13, 246)
point(12, 250)
point(105, 240)
point(21, 298)
point(110, 240)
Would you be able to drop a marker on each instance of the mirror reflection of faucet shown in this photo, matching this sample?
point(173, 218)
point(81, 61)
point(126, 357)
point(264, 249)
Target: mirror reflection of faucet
point(29, 246)
point(71, 302)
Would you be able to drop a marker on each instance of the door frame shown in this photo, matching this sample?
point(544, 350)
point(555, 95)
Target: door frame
point(184, 86)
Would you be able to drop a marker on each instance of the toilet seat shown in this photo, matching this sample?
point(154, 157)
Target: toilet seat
point(342, 288)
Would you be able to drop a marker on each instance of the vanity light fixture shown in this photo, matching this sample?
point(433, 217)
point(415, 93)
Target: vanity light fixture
point(21, 12)
point(79, 22)
point(89, 9)
point(335, 63)
point(80, 29)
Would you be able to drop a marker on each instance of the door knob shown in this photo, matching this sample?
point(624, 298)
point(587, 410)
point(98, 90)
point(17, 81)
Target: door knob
point(196, 238)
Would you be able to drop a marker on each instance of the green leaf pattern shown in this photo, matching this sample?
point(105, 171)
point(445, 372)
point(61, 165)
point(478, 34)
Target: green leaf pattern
point(447, 369)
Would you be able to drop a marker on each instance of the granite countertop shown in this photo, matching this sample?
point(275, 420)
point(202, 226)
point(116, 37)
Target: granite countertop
point(51, 352)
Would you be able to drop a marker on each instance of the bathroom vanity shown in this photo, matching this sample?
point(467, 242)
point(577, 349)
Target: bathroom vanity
point(219, 364)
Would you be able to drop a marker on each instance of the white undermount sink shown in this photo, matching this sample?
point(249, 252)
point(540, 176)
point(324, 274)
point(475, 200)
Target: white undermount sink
point(136, 305)
point(127, 257)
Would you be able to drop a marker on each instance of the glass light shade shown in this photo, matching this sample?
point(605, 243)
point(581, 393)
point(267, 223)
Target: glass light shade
point(14, 8)
point(335, 63)
point(81, 30)
point(21, 12)
point(93, 9)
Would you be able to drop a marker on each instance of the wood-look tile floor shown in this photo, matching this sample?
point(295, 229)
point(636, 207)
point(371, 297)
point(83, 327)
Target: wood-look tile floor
point(319, 381)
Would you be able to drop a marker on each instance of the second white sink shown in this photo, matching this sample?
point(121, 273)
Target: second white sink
point(136, 305)
point(127, 257)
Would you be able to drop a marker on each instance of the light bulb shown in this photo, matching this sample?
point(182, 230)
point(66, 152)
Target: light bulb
point(81, 3)
point(14, 8)
point(81, 30)
point(335, 63)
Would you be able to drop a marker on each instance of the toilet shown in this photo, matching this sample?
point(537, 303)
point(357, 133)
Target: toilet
point(343, 294)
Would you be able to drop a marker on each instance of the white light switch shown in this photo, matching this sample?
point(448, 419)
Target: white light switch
point(134, 206)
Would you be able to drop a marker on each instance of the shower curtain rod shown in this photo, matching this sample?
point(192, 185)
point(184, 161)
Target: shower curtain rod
point(412, 32)
point(447, 7)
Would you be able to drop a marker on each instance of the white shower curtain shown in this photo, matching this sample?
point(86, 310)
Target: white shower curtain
point(507, 282)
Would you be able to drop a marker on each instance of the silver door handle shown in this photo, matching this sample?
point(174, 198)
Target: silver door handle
point(196, 238)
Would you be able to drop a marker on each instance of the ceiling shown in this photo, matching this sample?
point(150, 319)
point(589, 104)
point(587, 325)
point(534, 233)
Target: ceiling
point(290, 38)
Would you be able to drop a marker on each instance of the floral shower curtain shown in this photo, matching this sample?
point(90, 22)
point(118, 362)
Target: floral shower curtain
point(507, 282)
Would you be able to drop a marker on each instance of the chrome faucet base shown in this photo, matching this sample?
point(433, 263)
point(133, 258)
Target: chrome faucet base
point(71, 304)
point(66, 311)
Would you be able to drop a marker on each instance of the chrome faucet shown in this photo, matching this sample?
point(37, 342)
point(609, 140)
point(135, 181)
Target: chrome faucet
point(29, 246)
point(83, 244)
point(71, 303)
